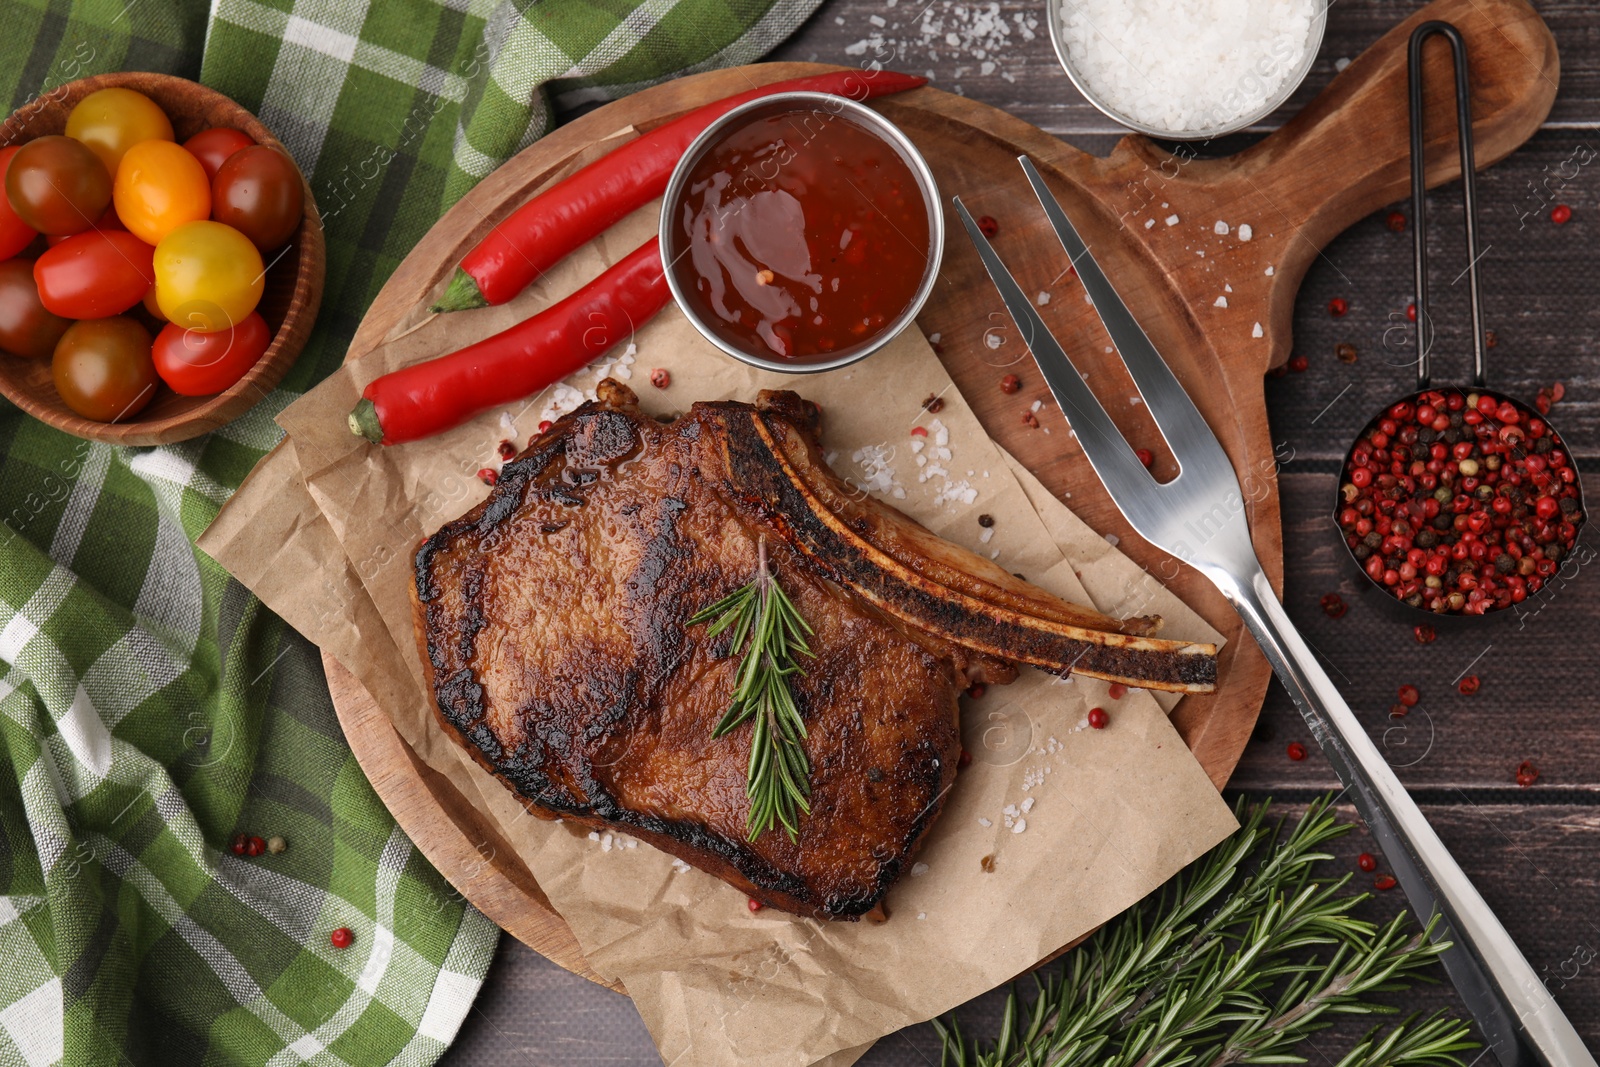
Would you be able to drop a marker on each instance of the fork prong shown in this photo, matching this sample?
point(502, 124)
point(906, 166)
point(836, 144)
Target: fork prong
point(1108, 452)
point(1176, 416)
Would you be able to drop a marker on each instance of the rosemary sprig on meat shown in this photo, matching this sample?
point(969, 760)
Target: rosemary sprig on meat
point(1238, 959)
point(770, 633)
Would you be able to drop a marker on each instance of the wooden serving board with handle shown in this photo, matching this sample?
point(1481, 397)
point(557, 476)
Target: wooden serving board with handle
point(1341, 158)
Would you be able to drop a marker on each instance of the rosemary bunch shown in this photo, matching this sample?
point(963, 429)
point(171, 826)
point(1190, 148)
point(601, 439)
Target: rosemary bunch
point(770, 631)
point(1237, 959)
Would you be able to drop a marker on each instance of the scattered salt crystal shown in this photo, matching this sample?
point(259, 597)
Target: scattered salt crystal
point(1341, 63)
point(1149, 223)
point(1220, 302)
point(1042, 299)
point(922, 915)
point(1256, 331)
point(877, 20)
point(1037, 404)
point(1172, 220)
point(941, 435)
point(993, 340)
point(986, 535)
point(1227, 288)
point(605, 842)
point(838, 20)
point(1022, 824)
point(844, 240)
point(917, 445)
point(1220, 229)
point(594, 835)
point(508, 426)
point(1112, 540)
point(984, 822)
point(934, 337)
point(918, 870)
point(1269, 270)
point(995, 554)
point(1027, 805)
point(631, 843)
point(1009, 809)
point(1245, 232)
point(680, 866)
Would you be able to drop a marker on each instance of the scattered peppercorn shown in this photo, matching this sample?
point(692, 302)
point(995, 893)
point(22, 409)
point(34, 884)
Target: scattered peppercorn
point(1396, 222)
point(1398, 711)
point(1030, 419)
point(1490, 338)
point(1410, 695)
point(987, 863)
point(1116, 691)
point(1527, 773)
point(1098, 718)
point(487, 476)
point(919, 431)
point(1366, 862)
point(1010, 384)
point(986, 520)
point(1384, 882)
point(276, 844)
point(1333, 606)
point(1424, 633)
point(1561, 214)
point(976, 690)
point(239, 845)
point(507, 449)
point(987, 226)
point(255, 847)
point(1411, 313)
point(1345, 351)
point(933, 405)
point(661, 377)
point(1299, 364)
point(544, 425)
point(342, 937)
point(754, 905)
point(1296, 751)
point(1147, 457)
point(1338, 306)
point(1469, 685)
point(964, 760)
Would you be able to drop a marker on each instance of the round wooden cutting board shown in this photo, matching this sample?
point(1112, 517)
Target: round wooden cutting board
point(1343, 157)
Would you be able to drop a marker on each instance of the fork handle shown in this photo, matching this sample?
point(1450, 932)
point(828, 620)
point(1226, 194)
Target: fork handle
point(1513, 1009)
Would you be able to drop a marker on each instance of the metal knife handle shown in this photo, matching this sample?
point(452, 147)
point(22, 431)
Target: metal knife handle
point(1516, 1013)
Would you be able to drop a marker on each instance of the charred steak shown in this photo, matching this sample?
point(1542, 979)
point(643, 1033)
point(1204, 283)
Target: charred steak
point(552, 621)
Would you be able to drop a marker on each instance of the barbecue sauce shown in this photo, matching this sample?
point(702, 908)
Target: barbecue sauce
point(806, 236)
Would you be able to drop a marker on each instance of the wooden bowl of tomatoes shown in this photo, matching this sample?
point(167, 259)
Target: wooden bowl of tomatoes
point(191, 290)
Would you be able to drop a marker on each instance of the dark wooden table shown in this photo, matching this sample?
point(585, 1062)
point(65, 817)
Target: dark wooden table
point(1535, 852)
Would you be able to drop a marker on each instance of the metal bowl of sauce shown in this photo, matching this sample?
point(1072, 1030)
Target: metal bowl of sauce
point(801, 232)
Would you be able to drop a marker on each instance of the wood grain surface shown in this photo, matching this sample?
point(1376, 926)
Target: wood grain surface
point(1535, 853)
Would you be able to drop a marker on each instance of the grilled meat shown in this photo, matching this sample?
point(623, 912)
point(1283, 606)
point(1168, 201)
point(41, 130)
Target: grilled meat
point(552, 620)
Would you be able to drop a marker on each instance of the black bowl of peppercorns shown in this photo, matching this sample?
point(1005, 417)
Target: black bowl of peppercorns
point(1460, 503)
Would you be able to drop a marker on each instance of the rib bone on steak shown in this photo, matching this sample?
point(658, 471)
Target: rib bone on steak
point(553, 623)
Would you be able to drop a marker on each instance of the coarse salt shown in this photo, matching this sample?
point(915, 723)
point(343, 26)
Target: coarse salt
point(1149, 223)
point(1187, 65)
point(1220, 302)
point(1220, 229)
point(1172, 220)
point(918, 870)
point(1269, 270)
point(1042, 299)
point(1255, 331)
point(1245, 232)
point(984, 822)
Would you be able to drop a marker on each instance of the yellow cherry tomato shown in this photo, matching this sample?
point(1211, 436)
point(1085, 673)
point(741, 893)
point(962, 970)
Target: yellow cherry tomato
point(208, 276)
point(111, 121)
point(151, 304)
point(159, 187)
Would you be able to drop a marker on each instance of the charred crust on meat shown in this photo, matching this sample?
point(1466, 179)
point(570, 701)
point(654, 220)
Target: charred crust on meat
point(716, 478)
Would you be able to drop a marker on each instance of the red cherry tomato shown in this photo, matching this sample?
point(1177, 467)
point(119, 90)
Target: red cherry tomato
point(57, 185)
point(95, 274)
point(259, 192)
point(213, 147)
point(26, 328)
point(15, 235)
point(102, 369)
point(200, 364)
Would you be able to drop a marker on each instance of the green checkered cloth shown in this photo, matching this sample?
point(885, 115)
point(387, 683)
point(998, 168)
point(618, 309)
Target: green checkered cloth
point(152, 708)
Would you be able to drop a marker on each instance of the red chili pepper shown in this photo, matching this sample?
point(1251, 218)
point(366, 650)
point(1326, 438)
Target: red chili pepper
point(576, 209)
point(428, 398)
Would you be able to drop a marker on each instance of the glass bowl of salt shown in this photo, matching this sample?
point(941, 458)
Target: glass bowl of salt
point(1186, 70)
